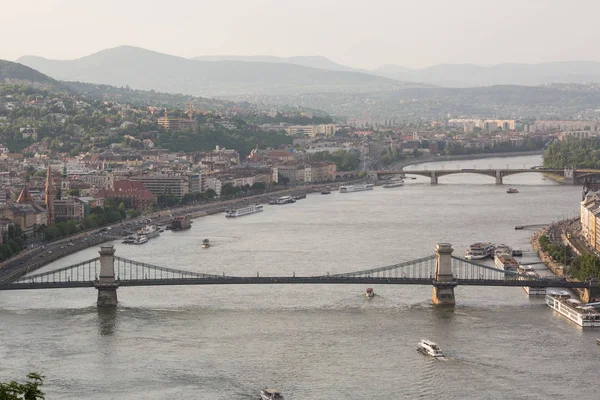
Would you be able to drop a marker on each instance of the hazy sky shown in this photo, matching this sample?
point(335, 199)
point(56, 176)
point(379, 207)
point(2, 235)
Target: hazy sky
point(413, 33)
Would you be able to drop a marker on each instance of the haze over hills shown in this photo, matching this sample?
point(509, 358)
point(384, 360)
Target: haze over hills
point(149, 70)
point(15, 73)
point(454, 75)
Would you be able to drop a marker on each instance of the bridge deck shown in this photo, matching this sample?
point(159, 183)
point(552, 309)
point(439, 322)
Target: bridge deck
point(303, 280)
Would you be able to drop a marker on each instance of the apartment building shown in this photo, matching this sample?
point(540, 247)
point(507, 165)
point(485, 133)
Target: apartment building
point(178, 124)
point(159, 185)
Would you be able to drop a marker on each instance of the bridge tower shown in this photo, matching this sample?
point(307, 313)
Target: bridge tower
point(443, 284)
point(106, 283)
point(569, 176)
point(498, 177)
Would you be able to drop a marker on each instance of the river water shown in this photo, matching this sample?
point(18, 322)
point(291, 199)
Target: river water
point(312, 341)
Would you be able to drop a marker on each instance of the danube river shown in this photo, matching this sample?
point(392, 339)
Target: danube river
point(316, 341)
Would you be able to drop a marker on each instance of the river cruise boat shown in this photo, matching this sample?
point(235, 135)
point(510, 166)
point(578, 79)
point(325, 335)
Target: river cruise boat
point(529, 272)
point(355, 188)
point(584, 315)
point(129, 240)
point(240, 212)
point(502, 249)
point(150, 231)
point(512, 191)
point(429, 348)
point(181, 223)
point(141, 239)
point(394, 184)
point(205, 244)
point(506, 262)
point(369, 293)
point(270, 394)
point(479, 251)
point(283, 200)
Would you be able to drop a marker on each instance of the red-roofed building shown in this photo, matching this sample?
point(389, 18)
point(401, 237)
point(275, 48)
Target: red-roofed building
point(133, 192)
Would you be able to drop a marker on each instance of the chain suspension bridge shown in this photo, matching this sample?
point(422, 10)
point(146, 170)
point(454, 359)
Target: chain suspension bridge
point(441, 270)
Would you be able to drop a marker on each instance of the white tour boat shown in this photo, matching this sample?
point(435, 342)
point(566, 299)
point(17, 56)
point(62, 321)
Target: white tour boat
point(271, 394)
point(394, 184)
point(479, 251)
point(355, 188)
point(141, 239)
point(251, 209)
point(529, 272)
point(283, 200)
point(429, 348)
point(150, 231)
point(506, 262)
point(584, 315)
point(369, 293)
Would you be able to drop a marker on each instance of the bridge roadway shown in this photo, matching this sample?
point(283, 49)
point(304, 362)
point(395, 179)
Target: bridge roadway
point(282, 280)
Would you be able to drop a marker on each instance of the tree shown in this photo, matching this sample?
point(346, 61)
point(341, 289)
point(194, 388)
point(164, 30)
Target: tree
point(23, 391)
point(210, 194)
point(51, 233)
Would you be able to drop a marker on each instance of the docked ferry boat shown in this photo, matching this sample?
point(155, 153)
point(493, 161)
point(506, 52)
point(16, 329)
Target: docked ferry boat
point(502, 249)
point(270, 394)
point(129, 240)
point(355, 188)
point(529, 272)
point(181, 222)
point(394, 184)
point(141, 239)
point(283, 200)
point(479, 251)
point(150, 231)
point(251, 209)
point(584, 315)
point(429, 348)
point(506, 262)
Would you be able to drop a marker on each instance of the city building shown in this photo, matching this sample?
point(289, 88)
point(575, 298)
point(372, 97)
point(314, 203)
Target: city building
point(68, 209)
point(133, 193)
point(326, 130)
point(161, 185)
point(178, 124)
point(577, 135)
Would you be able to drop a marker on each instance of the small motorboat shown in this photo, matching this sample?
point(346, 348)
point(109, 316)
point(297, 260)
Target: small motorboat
point(325, 192)
point(512, 190)
point(429, 348)
point(205, 244)
point(369, 293)
point(517, 253)
point(270, 394)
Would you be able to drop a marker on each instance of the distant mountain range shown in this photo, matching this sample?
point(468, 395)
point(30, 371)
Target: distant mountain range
point(454, 75)
point(149, 70)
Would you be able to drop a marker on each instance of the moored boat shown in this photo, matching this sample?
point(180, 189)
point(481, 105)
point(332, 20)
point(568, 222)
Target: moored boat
point(271, 394)
point(282, 200)
point(355, 188)
point(141, 239)
point(429, 348)
point(479, 251)
point(300, 196)
point(528, 272)
point(584, 315)
point(502, 249)
point(181, 222)
point(394, 184)
point(251, 209)
point(506, 262)
point(150, 231)
point(369, 293)
point(129, 240)
point(517, 253)
point(325, 192)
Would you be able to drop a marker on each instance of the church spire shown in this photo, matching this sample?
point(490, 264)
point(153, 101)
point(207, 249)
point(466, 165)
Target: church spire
point(25, 196)
point(49, 197)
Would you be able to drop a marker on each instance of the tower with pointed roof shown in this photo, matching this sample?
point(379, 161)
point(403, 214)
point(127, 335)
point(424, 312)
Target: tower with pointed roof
point(50, 197)
point(25, 196)
point(64, 182)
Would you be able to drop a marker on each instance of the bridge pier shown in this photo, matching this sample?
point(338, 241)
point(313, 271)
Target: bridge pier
point(498, 177)
point(434, 178)
point(106, 283)
point(443, 285)
point(569, 176)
